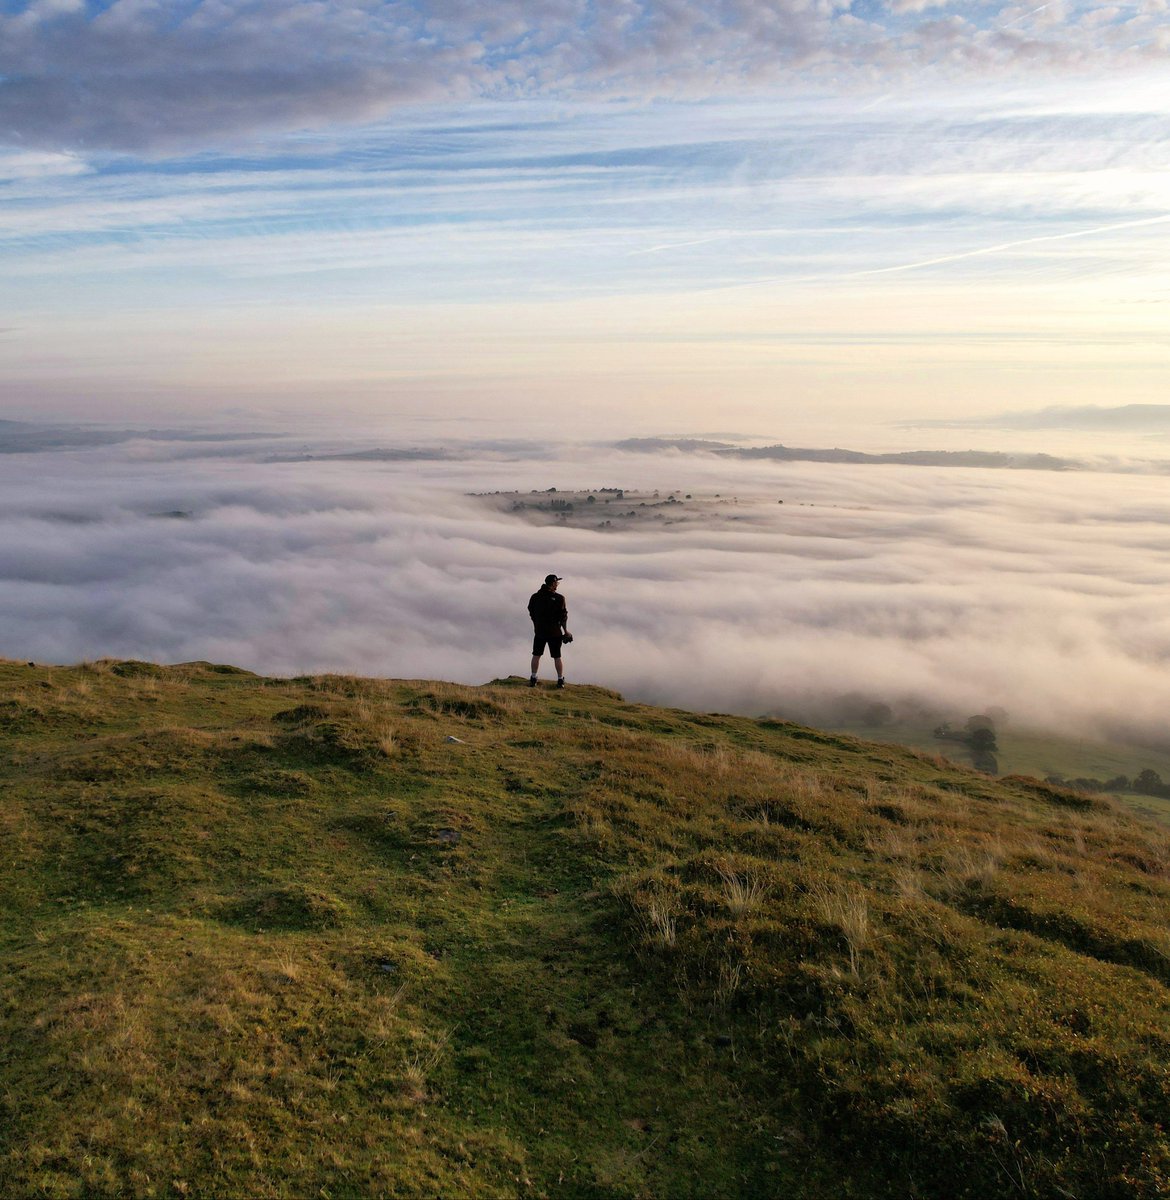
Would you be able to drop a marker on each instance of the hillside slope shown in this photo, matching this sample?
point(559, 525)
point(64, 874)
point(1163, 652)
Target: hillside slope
point(348, 937)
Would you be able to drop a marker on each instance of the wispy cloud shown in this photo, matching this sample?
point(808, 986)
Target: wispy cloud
point(330, 198)
point(675, 198)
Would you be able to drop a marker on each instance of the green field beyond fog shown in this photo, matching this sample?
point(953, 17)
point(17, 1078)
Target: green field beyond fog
point(346, 937)
point(1044, 756)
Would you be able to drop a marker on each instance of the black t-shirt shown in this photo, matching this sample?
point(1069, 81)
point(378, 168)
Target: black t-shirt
point(548, 610)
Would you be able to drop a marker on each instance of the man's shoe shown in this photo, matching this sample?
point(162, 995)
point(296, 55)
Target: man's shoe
point(532, 681)
point(561, 682)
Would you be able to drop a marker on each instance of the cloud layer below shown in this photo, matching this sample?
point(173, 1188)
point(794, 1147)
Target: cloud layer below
point(959, 588)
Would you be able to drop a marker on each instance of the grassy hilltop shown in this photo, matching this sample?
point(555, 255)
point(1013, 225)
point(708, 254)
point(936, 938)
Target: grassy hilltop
point(342, 937)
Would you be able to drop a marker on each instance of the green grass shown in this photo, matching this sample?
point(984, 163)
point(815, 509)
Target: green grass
point(284, 938)
point(1027, 752)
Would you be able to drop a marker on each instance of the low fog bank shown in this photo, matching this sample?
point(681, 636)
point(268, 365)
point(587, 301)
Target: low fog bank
point(1135, 418)
point(952, 589)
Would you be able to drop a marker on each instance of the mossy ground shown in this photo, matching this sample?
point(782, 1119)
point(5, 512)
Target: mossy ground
point(284, 938)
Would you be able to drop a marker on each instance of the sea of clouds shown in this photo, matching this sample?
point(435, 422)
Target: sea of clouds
point(958, 589)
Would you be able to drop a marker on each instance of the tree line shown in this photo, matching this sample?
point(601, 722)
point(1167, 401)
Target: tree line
point(1145, 783)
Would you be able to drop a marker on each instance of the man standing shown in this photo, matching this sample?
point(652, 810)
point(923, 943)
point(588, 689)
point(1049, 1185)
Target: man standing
point(550, 625)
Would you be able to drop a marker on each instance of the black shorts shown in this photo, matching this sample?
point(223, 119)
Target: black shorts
point(554, 643)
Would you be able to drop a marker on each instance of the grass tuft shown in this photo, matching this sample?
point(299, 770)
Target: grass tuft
point(848, 909)
point(741, 893)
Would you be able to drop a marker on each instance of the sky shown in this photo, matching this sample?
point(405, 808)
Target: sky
point(781, 217)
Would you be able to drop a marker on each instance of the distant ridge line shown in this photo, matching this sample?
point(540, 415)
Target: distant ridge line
point(995, 460)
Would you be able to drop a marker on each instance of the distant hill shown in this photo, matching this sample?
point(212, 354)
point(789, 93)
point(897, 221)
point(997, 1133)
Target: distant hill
point(986, 459)
point(350, 937)
point(27, 437)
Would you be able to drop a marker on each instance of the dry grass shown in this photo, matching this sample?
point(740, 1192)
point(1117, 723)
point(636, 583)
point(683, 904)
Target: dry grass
point(421, 1064)
point(894, 842)
point(474, 702)
point(591, 827)
point(659, 912)
point(714, 759)
point(388, 742)
point(802, 783)
point(847, 908)
point(731, 978)
point(741, 893)
point(606, 738)
point(101, 666)
point(656, 905)
point(908, 884)
point(284, 970)
point(974, 865)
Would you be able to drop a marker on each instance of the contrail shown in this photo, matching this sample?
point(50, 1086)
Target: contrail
point(715, 237)
point(1025, 16)
point(1000, 247)
point(981, 251)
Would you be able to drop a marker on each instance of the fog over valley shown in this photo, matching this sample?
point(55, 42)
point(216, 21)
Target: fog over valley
point(773, 587)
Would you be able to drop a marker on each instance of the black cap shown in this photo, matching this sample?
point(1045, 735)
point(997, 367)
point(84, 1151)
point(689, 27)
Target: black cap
point(552, 579)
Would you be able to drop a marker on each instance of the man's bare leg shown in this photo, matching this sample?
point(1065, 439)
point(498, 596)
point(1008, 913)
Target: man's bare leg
point(559, 663)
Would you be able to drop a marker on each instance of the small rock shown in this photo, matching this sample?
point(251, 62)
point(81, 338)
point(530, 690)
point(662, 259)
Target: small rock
point(458, 741)
point(449, 837)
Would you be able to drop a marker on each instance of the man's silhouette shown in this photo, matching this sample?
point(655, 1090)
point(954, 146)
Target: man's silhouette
point(550, 626)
